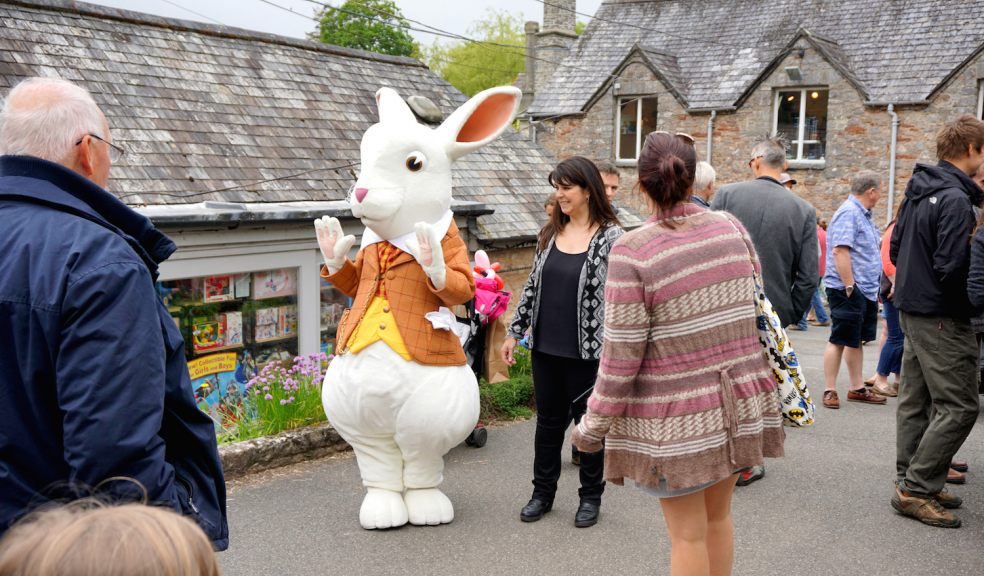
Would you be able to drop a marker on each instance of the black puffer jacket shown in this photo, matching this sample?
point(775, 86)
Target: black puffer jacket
point(930, 245)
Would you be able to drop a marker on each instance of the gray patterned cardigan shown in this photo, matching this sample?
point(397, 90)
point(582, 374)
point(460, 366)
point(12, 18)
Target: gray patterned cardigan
point(590, 294)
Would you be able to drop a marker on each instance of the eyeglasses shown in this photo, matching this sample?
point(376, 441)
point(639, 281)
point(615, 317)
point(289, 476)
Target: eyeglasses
point(681, 135)
point(115, 152)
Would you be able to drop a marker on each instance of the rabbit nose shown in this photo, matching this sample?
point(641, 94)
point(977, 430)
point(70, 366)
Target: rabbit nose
point(360, 193)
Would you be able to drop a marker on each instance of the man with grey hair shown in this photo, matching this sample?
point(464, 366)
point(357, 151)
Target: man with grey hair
point(94, 381)
point(852, 281)
point(703, 185)
point(783, 228)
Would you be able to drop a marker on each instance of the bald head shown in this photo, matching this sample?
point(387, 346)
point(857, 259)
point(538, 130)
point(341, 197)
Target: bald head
point(45, 117)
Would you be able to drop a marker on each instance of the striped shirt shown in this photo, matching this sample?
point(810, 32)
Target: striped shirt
point(684, 392)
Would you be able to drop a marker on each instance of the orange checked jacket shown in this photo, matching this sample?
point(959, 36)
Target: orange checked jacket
point(411, 295)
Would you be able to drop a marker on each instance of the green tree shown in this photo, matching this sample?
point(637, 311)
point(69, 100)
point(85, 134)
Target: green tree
point(472, 66)
point(373, 25)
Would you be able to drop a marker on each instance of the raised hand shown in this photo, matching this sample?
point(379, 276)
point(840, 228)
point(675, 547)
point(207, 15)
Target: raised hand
point(334, 244)
point(426, 249)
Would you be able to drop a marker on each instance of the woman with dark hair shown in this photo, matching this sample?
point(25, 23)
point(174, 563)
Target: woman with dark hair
point(563, 303)
point(684, 396)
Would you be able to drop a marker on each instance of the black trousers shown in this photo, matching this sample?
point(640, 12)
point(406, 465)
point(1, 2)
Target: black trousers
point(557, 381)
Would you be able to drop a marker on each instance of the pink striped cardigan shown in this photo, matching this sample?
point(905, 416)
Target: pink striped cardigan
point(684, 391)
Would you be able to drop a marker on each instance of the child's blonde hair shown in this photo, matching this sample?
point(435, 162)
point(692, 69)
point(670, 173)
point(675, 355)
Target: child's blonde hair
point(91, 540)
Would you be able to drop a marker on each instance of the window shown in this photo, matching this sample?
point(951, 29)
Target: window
point(980, 100)
point(636, 119)
point(232, 324)
point(801, 116)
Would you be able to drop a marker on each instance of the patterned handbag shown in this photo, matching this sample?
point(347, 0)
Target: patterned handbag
point(794, 396)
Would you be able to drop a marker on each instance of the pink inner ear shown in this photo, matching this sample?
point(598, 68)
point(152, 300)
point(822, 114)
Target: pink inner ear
point(487, 119)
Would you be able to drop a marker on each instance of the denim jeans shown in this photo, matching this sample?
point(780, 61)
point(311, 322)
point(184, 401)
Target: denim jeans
point(819, 310)
point(890, 361)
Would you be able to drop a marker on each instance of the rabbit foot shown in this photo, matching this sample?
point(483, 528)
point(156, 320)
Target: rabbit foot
point(428, 507)
point(382, 509)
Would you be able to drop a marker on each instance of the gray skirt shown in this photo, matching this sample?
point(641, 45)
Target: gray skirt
point(662, 491)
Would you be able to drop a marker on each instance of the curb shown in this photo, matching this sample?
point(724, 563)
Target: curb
point(288, 447)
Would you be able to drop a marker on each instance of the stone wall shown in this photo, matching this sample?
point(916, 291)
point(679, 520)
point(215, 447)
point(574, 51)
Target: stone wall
point(858, 135)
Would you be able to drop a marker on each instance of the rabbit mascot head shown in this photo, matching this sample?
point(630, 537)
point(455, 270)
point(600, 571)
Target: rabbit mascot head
point(399, 390)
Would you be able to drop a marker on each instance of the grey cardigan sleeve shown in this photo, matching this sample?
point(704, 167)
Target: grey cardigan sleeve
point(523, 316)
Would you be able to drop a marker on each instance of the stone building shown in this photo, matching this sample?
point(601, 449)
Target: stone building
point(236, 140)
point(854, 84)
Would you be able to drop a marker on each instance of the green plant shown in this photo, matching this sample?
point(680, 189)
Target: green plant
point(523, 365)
point(508, 400)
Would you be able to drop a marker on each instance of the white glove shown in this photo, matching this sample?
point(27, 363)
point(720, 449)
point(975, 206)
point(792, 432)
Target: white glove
point(444, 319)
point(333, 243)
point(426, 249)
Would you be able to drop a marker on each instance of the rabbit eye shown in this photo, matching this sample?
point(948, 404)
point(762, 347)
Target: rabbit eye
point(415, 162)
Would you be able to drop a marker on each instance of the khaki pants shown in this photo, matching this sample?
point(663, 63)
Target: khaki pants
point(937, 399)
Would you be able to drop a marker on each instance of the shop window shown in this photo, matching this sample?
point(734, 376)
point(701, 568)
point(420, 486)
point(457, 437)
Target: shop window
point(232, 325)
point(333, 305)
point(801, 116)
point(636, 119)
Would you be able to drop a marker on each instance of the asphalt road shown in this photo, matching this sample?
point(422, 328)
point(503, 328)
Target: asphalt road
point(822, 510)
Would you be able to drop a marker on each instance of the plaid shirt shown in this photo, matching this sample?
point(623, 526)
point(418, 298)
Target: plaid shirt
point(852, 227)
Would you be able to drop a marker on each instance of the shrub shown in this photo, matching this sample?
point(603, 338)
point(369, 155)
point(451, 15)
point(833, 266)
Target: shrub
point(507, 400)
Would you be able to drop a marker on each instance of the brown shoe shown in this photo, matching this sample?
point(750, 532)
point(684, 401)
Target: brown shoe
point(830, 399)
point(864, 395)
point(815, 323)
point(948, 500)
point(926, 510)
point(959, 465)
point(889, 390)
point(954, 477)
point(870, 381)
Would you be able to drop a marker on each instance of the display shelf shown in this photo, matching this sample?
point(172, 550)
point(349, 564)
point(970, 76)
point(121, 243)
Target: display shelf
point(276, 339)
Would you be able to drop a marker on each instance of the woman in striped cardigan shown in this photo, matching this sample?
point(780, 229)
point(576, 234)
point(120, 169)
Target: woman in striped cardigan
point(684, 396)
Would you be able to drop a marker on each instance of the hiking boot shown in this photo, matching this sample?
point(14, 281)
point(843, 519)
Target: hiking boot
point(830, 399)
point(948, 500)
point(864, 395)
point(749, 475)
point(926, 510)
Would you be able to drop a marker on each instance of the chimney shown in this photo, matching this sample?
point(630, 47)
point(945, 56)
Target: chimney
point(555, 38)
point(529, 77)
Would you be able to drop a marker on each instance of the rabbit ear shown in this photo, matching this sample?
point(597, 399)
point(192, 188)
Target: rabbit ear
point(480, 120)
point(392, 108)
point(482, 259)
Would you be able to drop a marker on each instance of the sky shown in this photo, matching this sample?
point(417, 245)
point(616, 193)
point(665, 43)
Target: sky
point(261, 15)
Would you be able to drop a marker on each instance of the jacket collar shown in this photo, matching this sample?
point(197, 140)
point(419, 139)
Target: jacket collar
point(970, 187)
point(51, 184)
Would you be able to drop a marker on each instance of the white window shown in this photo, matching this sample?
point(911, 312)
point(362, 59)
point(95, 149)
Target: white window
point(636, 119)
point(801, 116)
point(980, 100)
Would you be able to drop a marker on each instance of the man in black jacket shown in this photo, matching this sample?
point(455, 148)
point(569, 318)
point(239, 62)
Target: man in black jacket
point(938, 398)
point(93, 377)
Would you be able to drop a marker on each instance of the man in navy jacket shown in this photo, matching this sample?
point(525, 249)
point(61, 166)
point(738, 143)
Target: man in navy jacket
point(94, 389)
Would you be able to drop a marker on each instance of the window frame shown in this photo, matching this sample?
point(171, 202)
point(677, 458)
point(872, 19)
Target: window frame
point(798, 160)
point(980, 99)
point(619, 101)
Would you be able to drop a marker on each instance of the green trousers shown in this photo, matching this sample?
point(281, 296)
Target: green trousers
point(938, 401)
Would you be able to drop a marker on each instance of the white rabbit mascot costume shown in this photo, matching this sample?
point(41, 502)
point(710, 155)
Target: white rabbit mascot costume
point(399, 390)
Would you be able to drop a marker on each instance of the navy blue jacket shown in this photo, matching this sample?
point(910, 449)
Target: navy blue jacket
point(930, 245)
point(93, 378)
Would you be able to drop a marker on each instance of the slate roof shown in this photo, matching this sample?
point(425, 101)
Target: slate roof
point(891, 50)
point(207, 112)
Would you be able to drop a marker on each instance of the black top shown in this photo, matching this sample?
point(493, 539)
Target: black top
point(556, 321)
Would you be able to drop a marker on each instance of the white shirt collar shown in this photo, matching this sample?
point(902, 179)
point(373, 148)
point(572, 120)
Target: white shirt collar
point(442, 225)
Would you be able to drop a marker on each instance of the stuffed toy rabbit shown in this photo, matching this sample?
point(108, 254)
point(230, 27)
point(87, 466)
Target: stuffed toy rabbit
point(399, 390)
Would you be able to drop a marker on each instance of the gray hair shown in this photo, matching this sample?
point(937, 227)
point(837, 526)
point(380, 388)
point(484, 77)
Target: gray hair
point(704, 176)
point(772, 150)
point(864, 181)
point(606, 167)
point(45, 117)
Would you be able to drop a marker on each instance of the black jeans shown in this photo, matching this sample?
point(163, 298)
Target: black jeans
point(557, 381)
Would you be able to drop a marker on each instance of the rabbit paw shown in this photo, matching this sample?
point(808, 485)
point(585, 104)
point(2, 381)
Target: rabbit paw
point(382, 509)
point(426, 248)
point(334, 244)
point(428, 507)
